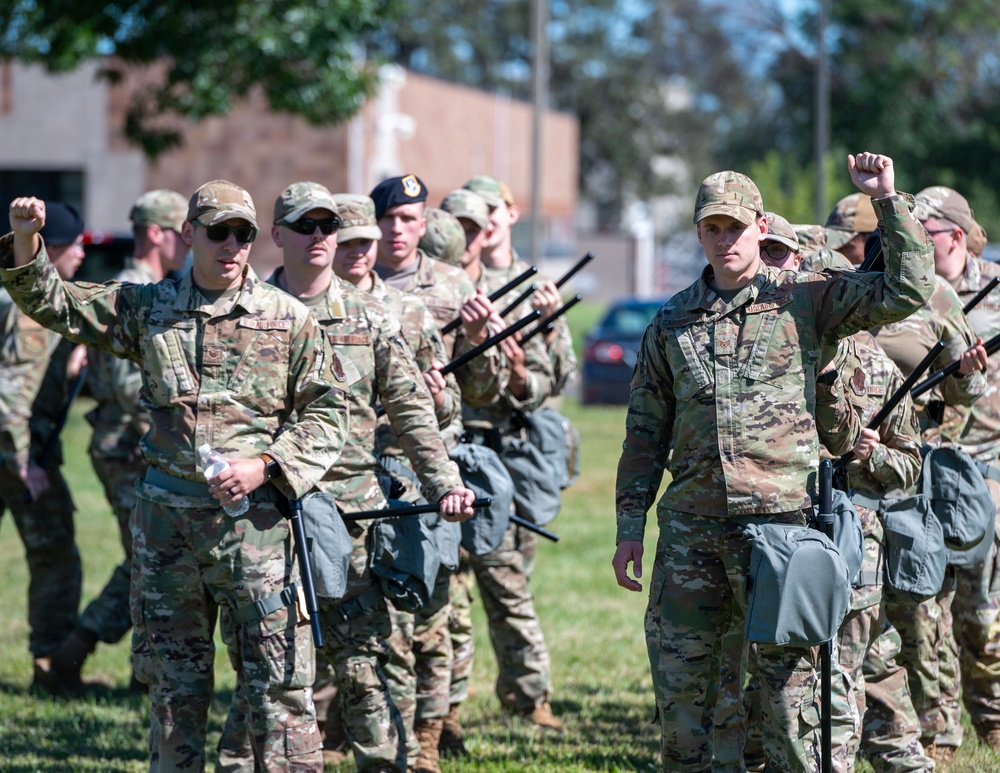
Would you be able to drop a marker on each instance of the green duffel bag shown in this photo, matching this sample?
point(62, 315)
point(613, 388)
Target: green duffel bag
point(329, 544)
point(403, 559)
point(484, 473)
point(556, 437)
point(915, 553)
point(537, 487)
point(798, 588)
point(951, 480)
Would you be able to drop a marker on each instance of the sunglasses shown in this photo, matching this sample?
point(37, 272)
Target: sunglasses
point(777, 250)
point(245, 234)
point(307, 225)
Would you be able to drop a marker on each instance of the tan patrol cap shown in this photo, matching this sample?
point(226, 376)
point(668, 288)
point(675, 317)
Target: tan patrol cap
point(220, 200)
point(299, 198)
point(490, 188)
point(728, 193)
point(468, 204)
point(163, 207)
point(357, 215)
point(811, 237)
point(444, 238)
point(781, 231)
point(947, 203)
point(850, 216)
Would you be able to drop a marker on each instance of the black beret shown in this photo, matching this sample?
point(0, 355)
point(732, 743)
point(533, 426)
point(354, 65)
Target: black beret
point(63, 223)
point(397, 190)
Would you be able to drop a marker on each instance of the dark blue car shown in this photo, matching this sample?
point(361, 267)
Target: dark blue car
point(610, 350)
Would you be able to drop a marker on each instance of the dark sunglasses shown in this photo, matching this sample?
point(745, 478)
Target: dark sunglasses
point(245, 234)
point(307, 225)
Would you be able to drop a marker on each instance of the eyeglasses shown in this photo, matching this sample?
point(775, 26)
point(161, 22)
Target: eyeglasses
point(307, 225)
point(937, 231)
point(776, 250)
point(245, 234)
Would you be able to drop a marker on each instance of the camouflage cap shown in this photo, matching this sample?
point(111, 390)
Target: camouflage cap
point(444, 238)
point(165, 208)
point(811, 237)
point(490, 188)
point(780, 230)
point(976, 239)
point(728, 193)
point(299, 198)
point(850, 216)
point(826, 258)
point(468, 204)
point(220, 200)
point(357, 215)
point(947, 203)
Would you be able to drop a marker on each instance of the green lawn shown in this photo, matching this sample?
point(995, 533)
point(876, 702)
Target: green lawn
point(594, 631)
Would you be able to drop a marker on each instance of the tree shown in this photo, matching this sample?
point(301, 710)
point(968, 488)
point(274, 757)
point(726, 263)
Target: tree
point(201, 57)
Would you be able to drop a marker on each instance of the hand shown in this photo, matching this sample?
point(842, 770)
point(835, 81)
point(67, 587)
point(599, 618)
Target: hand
point(546, 298)
point(242, 477)
point(35, 479)
point(518, 382)
point(873, 173)
point(436, 384)
point(974, 358)
point(866, 443)
point(456, 505)
point(475, 313)
point(628, 552)
point(77, 360)
point(27, 216)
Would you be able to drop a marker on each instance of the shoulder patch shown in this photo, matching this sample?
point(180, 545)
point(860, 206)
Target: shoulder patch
point(337, 368)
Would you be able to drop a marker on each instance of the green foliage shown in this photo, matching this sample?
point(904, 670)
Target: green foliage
point(789, 189)
point(301, 54)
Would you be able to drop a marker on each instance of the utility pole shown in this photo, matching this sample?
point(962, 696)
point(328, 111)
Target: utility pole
point(822, 141)
point(540, 101)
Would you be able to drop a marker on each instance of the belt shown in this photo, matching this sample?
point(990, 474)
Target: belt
point(393, 466)
point(864, 500)
point(358, 605)
point(261, 608)
point(989, 471)
point(196, 488)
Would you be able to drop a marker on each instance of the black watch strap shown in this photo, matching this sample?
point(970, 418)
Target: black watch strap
point(271, 467)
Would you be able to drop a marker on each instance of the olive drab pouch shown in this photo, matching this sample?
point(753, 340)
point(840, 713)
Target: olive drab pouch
point(329, 544)
point(915, 554)
point(848, 534)
point(484, 473)
point(403, 559)
point(447, 538)
point(556, 437)
point(951, 480)
point(798, 588)
point(537, 489)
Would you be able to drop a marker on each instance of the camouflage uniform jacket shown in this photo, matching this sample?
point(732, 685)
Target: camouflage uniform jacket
point(378, 368)
point(496, 413)
point(232, 380)
point(561, 354)
point(119, 421)
point(977, 428)
point(33, 385)
point(727, 390)
point(870, 378)
point(838, 422)
point(908, 341)
point(420, 332)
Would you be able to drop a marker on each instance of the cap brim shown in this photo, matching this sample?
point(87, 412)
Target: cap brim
point(473, 217)
point(229, 213)
point(742, 214)
point(294, 215)
point(835, 238)
point(359, 232)
point(792, 244)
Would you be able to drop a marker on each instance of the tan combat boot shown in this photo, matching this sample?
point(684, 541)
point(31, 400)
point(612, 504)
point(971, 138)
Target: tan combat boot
point(428, 733)
point(44, 680)
point(943, 756)
point(543, 717)
point(451, 743)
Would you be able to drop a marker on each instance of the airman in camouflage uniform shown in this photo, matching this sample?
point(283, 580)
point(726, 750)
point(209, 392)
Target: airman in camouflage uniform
point(850, 221)
point(399, 209)
point(119, 421)
point(35, 386)
point(379, 370)
point(524, 683)
point(726, 380)
point(233, 363)
point(963, 617)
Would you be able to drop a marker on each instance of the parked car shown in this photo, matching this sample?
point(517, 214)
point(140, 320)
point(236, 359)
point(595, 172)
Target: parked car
point(610, 349)
point(106, 253)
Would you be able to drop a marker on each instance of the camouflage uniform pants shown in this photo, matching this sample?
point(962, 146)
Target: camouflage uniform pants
point(523, 678)
point(419, 668)
point(463, 645)
point(700, 568)
point(54, 569)
point(188, 562)
point(890, 737)
point(107, 616)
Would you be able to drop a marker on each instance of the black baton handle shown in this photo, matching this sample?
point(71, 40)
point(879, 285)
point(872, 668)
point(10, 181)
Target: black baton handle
point(495, 295)
point(305, 568)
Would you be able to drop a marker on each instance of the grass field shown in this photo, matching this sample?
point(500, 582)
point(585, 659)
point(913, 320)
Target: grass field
point(594, 632)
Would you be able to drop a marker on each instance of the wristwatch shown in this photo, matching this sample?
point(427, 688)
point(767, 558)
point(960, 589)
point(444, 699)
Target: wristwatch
point(271, 468)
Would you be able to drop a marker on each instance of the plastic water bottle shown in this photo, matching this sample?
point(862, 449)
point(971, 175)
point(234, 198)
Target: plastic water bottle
point(212, 464)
